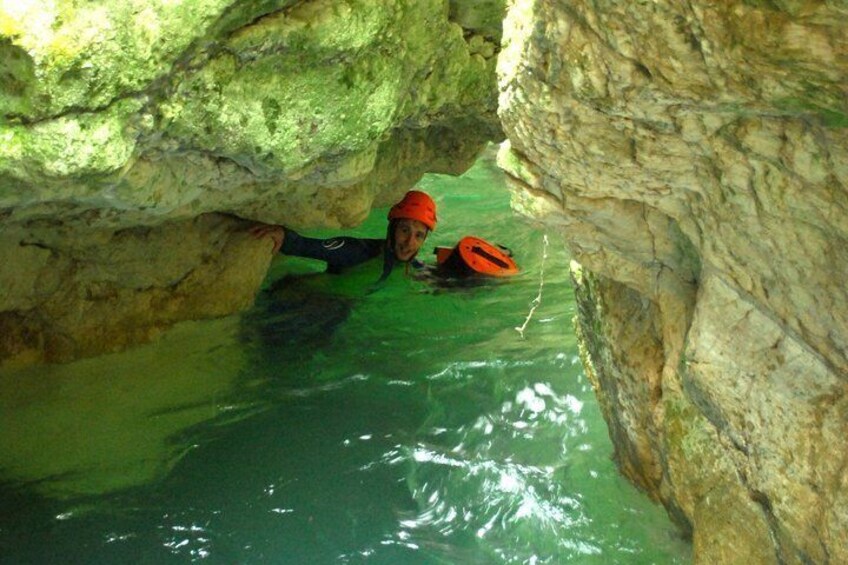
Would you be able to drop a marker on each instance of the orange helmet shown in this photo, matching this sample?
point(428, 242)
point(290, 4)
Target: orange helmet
point(415, 205)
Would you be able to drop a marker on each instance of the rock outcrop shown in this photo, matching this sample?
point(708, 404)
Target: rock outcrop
point(696, 157)
point(138, 139)
point(694, 154)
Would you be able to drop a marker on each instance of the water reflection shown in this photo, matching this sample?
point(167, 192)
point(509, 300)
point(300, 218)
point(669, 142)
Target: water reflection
point(472, 482)
point(190, 539)
point(117, 421)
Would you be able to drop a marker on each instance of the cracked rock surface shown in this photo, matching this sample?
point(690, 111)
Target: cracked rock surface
point(695, 156)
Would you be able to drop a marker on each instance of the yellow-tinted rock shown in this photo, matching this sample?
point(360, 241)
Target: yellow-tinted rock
point(698, 153)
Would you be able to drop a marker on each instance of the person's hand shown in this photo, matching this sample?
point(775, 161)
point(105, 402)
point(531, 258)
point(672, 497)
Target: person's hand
point(276, 233)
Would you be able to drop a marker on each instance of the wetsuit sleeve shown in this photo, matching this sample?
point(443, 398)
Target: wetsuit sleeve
point(338, 252)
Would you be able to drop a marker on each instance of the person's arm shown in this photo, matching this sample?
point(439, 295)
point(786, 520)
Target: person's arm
point(337, 252)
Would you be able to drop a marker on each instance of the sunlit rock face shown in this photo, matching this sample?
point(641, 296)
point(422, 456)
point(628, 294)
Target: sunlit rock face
point(137, 139)
point(695, 156)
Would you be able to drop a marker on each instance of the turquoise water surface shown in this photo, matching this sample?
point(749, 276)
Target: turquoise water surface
point(337, 422)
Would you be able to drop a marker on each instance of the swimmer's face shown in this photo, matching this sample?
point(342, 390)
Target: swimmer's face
point(409, 236)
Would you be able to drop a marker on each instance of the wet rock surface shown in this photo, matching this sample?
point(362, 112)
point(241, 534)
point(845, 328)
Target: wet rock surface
point(696, 158)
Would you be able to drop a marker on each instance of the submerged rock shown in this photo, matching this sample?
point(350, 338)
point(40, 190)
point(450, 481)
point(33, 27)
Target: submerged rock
point(696, 157)
point(137, 138)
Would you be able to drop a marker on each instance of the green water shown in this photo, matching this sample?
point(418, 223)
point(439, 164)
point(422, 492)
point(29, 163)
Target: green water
point(336, 424)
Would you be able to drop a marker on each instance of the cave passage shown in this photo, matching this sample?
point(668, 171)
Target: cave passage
point(414, 424)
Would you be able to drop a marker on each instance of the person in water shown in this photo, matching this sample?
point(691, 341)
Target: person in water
point(410, 222)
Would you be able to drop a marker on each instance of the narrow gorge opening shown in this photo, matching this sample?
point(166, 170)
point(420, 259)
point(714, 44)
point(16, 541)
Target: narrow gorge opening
point(411, 424)
point(690, 157)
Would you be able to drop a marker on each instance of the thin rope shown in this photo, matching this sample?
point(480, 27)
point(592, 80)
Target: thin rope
point(538, 300)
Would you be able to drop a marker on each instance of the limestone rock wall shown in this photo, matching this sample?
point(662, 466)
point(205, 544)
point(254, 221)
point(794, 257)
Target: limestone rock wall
point(695, 156)
point(136, 138)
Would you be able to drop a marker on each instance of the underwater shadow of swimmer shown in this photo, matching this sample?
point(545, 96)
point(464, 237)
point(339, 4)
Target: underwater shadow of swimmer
point(440, 281)
point(298, 313)
point(291, 319)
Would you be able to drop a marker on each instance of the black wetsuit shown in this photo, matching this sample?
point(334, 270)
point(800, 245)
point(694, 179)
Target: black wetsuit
point(338, 252)
point(341, 253)
point(293, 320)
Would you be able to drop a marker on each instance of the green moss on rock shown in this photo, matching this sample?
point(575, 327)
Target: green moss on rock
point(328, 78)
point(77, 145)
point(832, 116)
point(86, 54)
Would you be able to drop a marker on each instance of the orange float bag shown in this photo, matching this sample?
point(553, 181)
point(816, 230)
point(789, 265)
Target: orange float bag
point(476, 256)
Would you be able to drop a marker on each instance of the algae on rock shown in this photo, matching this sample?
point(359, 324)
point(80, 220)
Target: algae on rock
point(119, 118)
